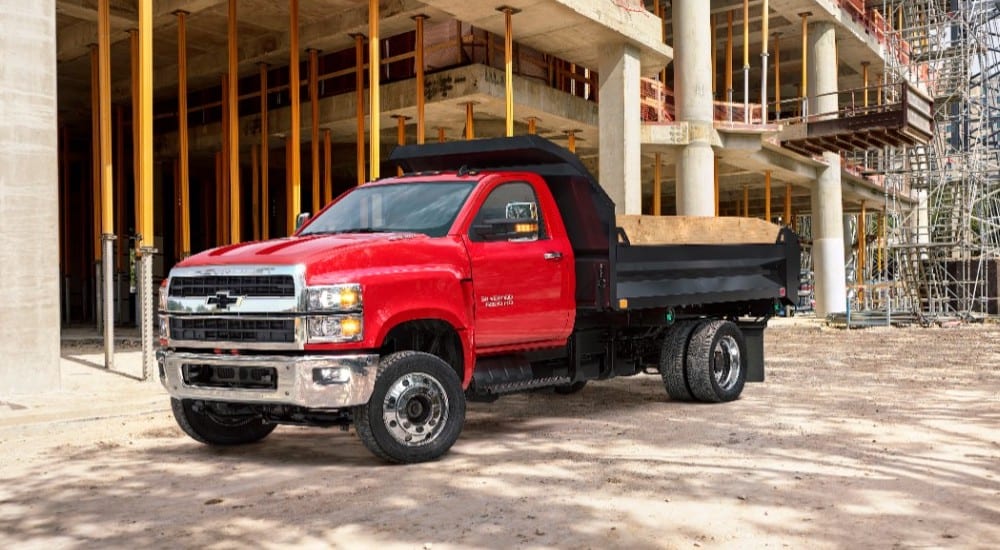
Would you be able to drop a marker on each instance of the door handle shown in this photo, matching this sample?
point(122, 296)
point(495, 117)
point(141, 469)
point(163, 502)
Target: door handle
point(553, 256)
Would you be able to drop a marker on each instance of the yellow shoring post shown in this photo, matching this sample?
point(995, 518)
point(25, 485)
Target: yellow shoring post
point(95, 147)
point(777, 74)
point(441, 138)
point(104, 80)
point(294, 202)
point(804, 86)
point(729, 61)
point(470, 131)
point(571, 141)
point(767, 196)
point(746, 61)
point(788, 204)
point(508, 64)
point(532, 125)
point(862, 252)
point(265, 222)
point(146, 118)
point(225, 214)
point(715, 178)
point(314, 126)
point(119, 183)
point(255, 191)
point(864, 77)
point(182, 133)
point(359, 84)
point(234, 126)
point(657, 185)
point(374, 73)
point(746, 201)
point(400, 136)
point(327, 168)
point(136, 152)
point(419, 67)
point(219, 221)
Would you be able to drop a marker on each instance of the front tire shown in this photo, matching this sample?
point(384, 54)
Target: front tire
point(416, 411)
point(205, 422)
point(716, 362)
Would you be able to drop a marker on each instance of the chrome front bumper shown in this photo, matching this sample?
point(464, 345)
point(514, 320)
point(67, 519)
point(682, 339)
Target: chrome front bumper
point(295, 384)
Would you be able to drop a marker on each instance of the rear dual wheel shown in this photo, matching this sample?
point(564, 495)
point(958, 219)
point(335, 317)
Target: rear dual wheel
point(704, 361)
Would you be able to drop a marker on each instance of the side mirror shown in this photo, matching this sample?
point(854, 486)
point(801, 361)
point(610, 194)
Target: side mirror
point(301, 220)
point(522, 229)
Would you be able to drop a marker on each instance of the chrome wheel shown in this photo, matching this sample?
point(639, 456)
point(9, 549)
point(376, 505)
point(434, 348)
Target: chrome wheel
point(415, 409)
point(726, 363)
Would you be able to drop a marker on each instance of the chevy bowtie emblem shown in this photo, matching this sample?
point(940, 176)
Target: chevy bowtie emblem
point(223, 300)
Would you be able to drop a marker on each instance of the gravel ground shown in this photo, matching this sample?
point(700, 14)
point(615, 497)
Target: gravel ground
point(881, 438)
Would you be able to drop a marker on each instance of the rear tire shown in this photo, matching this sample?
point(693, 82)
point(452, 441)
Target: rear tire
point(716, 362)
point(205, 424)
point(672, 356)
point(416, 411)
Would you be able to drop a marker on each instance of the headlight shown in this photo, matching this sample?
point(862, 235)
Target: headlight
point(335, 328)
point(163, 294)
point(346, 297)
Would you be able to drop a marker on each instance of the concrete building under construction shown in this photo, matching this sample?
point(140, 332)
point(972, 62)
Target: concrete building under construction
point(138, 129)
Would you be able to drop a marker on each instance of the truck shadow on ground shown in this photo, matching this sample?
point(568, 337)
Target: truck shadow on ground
point(874, 453)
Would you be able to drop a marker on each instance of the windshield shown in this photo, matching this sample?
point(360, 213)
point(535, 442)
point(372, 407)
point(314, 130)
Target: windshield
point(428, 208)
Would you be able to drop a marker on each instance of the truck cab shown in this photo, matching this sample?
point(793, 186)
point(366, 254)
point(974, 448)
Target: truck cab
point(491, 267)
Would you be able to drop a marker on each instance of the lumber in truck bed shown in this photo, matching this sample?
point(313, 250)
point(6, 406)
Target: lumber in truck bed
point(697, 230)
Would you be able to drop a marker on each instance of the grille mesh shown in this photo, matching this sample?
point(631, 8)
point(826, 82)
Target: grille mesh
point(269, 286)
point(233, 329)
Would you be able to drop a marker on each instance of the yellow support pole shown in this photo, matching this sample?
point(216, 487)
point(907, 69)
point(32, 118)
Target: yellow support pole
point(234, 127)
point(400, 136)
point(441, 138)
point(746, 201)
point(715, 178)
point(374, 73)
point(862, 251)
point(878, 92)
point(255, 193)
point(294, 205)
point(119, 184)
point(104, 78)
point(864, 77)
point(470, 131)
point(327, 168)
point(419, 66)
point(146, 118)
point(182, 133)
point(767, 196)
point(532, 125)
point(224, 212)
point(265, 199)
point(777, 74)
point(136, 152)
point(729, 56)
point(314, 126)
point(220, 232)
point(788, 204)
point(657, 185)
point(288, 178)
point(359, 84)
point(508, 60)
point(804, 90)
point(95, 148)
point(571, 141)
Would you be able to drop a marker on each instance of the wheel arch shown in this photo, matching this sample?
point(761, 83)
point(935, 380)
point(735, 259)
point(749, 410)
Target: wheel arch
point(430, 334)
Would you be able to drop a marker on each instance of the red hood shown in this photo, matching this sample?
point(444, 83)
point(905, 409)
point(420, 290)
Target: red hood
point(336, 253)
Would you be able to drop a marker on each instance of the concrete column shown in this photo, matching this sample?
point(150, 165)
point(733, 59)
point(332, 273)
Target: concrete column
point(693, 94)
point(827, 202)
point(618, 111)
point(822, 69)
point(29, 199)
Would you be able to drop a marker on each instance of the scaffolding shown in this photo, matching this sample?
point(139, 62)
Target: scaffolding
point(938, 252)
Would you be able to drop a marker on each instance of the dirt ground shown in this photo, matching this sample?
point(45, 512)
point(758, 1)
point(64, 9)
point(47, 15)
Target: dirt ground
point(881, 438)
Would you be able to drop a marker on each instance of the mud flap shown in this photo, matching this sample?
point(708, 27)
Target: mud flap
point(753, 338)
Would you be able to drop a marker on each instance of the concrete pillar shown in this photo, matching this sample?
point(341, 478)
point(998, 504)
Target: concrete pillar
point(618, 111)
point(693, 94)
point(827, 202)
point(822, 69)
point(29, 199)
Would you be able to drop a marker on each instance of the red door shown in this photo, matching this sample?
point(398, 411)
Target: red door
point(523, 287)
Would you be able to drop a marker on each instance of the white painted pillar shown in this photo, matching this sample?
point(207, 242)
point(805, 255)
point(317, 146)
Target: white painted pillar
point(620, 130)
point(693, 96)
point(29, 199)
point(827, 200)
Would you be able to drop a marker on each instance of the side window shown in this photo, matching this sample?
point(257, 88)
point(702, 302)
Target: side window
point(509, 201)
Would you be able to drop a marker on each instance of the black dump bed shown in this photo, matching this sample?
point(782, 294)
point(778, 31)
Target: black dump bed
point(611, 272)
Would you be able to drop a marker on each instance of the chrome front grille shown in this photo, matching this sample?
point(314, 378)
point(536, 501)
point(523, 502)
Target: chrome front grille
point(233, 329)
point(264, 286)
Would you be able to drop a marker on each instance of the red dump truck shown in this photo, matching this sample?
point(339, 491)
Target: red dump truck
point(490, 267)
